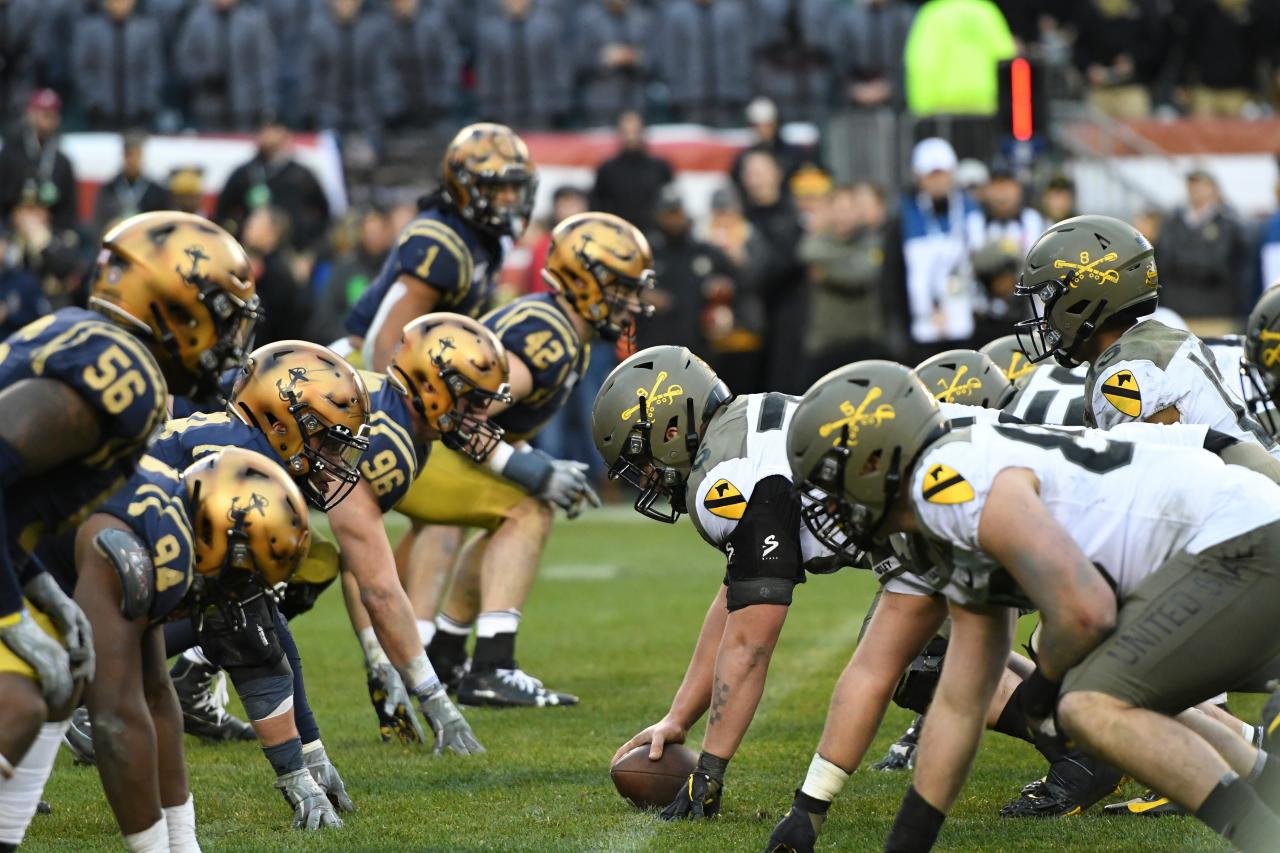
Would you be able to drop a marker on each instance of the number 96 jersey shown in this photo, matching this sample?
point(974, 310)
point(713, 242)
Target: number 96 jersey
point(113, 372)
point(1129, 506)
point(394, 458)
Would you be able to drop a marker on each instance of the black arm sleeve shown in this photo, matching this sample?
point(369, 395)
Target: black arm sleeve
point(765, 562)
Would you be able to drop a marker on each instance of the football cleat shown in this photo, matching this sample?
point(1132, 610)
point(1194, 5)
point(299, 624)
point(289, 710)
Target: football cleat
point(202, 693)
point(1074, 783)
point(902, 754)
point(79, 737)
point(451, 674)
point(508, 688)
point(1149, 804)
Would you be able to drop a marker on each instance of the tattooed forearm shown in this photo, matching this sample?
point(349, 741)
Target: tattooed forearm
point(719, 698)
point(38, 409)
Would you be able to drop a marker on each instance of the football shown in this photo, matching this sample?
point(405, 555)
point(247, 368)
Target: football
point(653, 784)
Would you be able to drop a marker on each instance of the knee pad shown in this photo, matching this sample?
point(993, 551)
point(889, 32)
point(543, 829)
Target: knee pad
point(20, 795)
point(267, 696)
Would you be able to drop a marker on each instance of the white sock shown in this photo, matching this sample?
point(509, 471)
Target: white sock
point(449, 626)
point(153, 839)
point(20, 795)
point(498, 622)
point(824, 779)
point(195, 654)
point(426, 630)
point(181, 821)
point(373, 652)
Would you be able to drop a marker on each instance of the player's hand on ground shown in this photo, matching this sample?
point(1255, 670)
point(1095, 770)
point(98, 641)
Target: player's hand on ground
point(392, 705)
point(793, 834)
point(311, 808)
point(42, 653)
point(326, 776)
point(451, 729)
point(43, 591)
point(700, 797)
point(658, 735)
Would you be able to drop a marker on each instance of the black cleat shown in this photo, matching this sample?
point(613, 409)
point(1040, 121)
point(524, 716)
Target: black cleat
point(79, 737)
point(902, 754)
point(508, 688)
point(1075, 782)
point(1149, 804)
point(451, 674)
point(202, 693)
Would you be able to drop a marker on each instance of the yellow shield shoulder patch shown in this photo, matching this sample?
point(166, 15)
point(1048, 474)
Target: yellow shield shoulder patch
point(1121, 390)
point(725, 500)
point(943, 485)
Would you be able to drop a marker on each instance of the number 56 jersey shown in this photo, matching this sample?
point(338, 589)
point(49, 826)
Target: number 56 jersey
point(1129, 506)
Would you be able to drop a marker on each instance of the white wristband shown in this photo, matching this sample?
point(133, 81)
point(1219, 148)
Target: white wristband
point(499, 457)
point(373, 652)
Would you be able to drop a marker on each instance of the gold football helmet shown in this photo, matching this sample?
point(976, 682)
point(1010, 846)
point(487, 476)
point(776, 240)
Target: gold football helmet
point(451, 368)
point(184, 285)
point(603, 265)
point(480, 163)
point(246, 516)
point(313, 407)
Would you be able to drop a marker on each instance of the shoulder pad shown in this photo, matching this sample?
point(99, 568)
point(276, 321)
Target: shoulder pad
point(132, 563)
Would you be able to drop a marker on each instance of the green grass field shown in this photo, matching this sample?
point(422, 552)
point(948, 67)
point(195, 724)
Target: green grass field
point(613, 618)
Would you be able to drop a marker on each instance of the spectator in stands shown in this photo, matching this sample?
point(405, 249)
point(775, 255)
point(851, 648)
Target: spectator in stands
point(32, 167)
point(1204, 257)
point(704, 56)
point(350, 274)
point(1222, 44)
point(522, 67)
point(22, 23)
point(613, 39)
point(52, 255)
point(793, 55)
point(565, 202)
point(1006, 218)
point(226, 56)
point(273, 177)
point(130, 191)
point(186, 190)
point(952, 75)
point(22, 300)
point(118, 68)
point(733, 315)
point(285, 304)
point(844, 253)
point(870, 39)
point(1119, 48)
point(927, 254)
point(762, 116)
point(348, 81)
point(628, 183)
point(427, 61)
point(1058, 201)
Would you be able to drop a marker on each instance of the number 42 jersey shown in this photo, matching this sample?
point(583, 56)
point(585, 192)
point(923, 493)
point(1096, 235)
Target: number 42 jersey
point(1128, 505)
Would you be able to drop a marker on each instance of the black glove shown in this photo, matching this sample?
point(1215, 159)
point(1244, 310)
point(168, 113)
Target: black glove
point(797, 832)
point(700, 796)
point(1038, 699)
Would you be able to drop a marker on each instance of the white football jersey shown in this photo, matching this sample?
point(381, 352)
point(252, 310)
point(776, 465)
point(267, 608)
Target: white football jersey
point(1152, 368)
point(1051, 395)
point(1129, 505)
point(745, 444)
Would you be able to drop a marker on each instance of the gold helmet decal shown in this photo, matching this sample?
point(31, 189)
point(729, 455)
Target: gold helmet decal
point(852, 418)
point(489, 176)
point(451, 368)
point(184, 285)
point(967, 377)
point(249, 520)
point(314, 408)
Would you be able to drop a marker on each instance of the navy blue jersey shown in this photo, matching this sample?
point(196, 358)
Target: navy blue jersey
point(441, 249)
point(186, 440)
point(154, 505)
point(394, 458)
point(539, 333)
point(116, 374)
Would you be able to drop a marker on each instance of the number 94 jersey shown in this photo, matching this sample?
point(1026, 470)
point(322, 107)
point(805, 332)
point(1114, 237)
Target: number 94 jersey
point(1129, 505)
point(113, 372)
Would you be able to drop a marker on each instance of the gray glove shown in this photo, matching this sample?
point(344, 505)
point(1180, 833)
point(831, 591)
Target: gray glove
point(43, 591)
point(311, 809)
point(452, 731)
point(326, 776)
point(568, 487)
point(44, 654)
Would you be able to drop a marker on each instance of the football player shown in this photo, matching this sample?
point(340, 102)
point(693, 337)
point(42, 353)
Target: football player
point(1017, 516)
point(448, 257)
point(211, 541)
point(172, 301)
point(1251, 362)
point(1007, 355)
point(667, 425)
point(600, 267)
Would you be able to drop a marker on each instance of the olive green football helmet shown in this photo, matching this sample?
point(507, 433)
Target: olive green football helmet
point(648, 420)
point(1007, 354)
point(1078, 275)
point(851, 444)
point(967, 377)
point(1261, 366)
